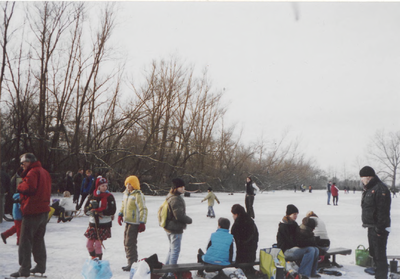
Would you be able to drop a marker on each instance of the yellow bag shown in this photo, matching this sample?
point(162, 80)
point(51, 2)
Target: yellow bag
point(270, 258)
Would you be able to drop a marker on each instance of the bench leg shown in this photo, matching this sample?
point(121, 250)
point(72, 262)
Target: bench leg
point(334, 263)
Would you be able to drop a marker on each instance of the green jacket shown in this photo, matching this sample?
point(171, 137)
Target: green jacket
point(177, 218)
point(211, 197)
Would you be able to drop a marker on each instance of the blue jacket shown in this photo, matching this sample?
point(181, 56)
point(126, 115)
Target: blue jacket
point(17, 214)
point(221, 250)
point(85, 188)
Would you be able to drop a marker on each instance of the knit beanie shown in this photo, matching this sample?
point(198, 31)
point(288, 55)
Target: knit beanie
point(100, 181)
point(134, 181)
point(290, 209)
point(177, 182)
point(367, 171)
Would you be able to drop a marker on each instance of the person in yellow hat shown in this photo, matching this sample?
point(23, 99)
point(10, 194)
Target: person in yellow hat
point(134, 213)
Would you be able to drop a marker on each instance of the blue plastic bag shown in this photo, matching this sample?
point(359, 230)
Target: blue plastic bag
point(96, 269)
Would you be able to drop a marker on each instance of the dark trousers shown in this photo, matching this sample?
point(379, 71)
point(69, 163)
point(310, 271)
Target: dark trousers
point(335, 199)
point(130, 242)
point(377, 250)
point(33, 229)
point(249, 201)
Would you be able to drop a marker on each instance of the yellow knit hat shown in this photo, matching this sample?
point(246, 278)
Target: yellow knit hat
point(134, 181)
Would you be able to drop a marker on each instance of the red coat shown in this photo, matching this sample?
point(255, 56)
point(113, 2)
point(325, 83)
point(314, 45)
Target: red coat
point(334, 190)
point(35, 190)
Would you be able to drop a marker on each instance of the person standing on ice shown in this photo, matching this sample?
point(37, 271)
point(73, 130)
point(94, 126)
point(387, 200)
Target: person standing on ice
point(287, 238)
point(134, 210)
point(335, 193)
point(251, 191)
point(375, 204)
point(211, 197)
point(101, 210)
point(176, 222)
point(35, 192)
point(328, 192)
point(17, 216)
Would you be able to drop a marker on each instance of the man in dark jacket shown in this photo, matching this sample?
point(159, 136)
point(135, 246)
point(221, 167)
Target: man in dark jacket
point(375, 206)
point(35, 191)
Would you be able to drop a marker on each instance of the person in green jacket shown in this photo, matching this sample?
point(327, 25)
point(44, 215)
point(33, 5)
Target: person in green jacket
point(134, 211)
point(211, 197)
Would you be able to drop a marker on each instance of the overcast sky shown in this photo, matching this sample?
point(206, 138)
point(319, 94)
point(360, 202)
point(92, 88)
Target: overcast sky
point(328, 73)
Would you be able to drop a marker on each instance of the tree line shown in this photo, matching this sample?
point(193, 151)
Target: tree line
point(65, 97)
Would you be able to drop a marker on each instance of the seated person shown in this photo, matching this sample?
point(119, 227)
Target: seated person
point(68, 203)
point(245, 232)
point(306, 235)
point(221, 249)
point(287, 240)
point(321, 235)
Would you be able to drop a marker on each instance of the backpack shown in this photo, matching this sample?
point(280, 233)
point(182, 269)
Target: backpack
point(270, 260)
point(163, 214)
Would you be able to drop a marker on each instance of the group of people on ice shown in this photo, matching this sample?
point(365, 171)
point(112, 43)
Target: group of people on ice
point(298, 243)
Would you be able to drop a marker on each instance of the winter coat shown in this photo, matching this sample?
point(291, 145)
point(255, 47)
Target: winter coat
point(305, 237)
point(103, 199)
point(69, 184)
point(251, 188)
point(320, 230)
point(287, 234)
point(177, 218)
point(87, 184)
point(68, 204)
point(17, 214)
point(211, 197)
point(35, 190)
point(375, 203)
point(334, 190)
point(245, 233)
point(221, 248)
point(133, 207)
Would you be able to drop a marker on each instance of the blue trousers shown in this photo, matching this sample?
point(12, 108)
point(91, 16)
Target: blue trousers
point(309, 259)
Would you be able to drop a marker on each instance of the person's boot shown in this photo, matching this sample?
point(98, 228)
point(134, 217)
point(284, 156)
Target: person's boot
point(36, 270)
point(92, 254)
point(4, 238)
point(127, 268)
point(100, 256)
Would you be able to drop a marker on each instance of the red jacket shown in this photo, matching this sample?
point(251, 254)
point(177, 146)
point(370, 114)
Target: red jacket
point(334, 190)
point(35, 190)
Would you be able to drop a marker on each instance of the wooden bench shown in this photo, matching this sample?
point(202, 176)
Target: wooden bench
point(178, 269)
point(337, 251)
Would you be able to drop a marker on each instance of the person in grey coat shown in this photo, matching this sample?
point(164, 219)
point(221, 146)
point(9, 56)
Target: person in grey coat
point(176, 221)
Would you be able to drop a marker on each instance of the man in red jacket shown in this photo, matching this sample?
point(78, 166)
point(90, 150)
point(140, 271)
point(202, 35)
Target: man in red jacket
point(35, 191)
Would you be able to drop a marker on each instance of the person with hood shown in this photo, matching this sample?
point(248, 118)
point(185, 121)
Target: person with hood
point(211, 197)
point(335, 193)
point(251, 191)
point(134, 213)
point(17, 215)
point(375, 204)
point(245, 232)
point(85, 188)
point(287, 241)
point(176, 222)
point(35, 192)
point(101, 210)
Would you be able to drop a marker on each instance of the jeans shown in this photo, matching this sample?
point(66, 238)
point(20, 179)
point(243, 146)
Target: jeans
point(308, 256)
point(329, 197)
point(377, 249)
point(210, 212)
point(175, 240)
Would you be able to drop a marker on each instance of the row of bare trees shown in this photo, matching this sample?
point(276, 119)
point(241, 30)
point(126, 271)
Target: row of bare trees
point(64, 97)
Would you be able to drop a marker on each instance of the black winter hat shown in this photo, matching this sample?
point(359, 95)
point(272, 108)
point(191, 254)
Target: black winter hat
point(290, 209)
point(177, 182)
point(367, 171)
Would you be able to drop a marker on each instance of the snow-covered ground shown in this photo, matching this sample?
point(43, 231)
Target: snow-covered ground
point(66, 245)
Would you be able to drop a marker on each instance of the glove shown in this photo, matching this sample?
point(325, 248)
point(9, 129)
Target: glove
point(120, 219)
point(142, 227)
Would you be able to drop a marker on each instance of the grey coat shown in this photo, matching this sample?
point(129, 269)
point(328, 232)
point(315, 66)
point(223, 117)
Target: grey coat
point(177, 218)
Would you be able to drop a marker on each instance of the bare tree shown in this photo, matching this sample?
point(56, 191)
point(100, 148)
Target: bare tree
point(385, 149)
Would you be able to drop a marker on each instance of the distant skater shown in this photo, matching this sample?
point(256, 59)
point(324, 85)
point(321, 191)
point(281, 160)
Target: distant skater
point(251, 190)
point(328, 192)
point(211, 197)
